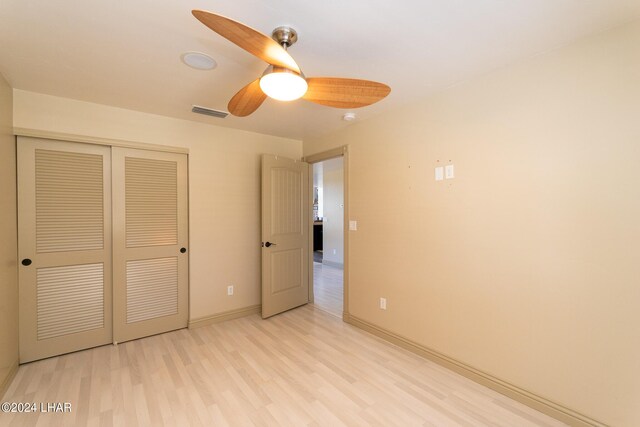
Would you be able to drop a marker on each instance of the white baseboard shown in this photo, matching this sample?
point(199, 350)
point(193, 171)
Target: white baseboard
point(221, 317)
point(538, 403)
point(6, 381)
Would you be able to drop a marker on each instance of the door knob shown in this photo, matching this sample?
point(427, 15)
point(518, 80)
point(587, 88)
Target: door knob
point(269, 244)
point(26, 262)
point(183, 250)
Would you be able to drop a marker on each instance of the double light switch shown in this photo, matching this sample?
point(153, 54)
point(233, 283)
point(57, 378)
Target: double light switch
point(444, 172)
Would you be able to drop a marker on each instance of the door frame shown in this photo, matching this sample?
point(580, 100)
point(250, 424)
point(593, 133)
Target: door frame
point(342, 151)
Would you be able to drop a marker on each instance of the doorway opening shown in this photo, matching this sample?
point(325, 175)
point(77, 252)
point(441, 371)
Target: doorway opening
point(328, 235)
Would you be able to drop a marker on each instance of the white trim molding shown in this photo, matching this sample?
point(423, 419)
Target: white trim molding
point(536, 402)
point(6, 382)
point(58, 136)
point(224, 316)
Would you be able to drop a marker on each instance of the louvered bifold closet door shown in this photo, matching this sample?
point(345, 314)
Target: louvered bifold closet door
point(64, 226)
point(150, 242)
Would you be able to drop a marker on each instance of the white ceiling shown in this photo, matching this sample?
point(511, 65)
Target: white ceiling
point(127, 53)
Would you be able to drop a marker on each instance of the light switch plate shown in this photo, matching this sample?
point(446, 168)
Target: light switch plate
point(230, 290)
point(353, 225)
point(383, 303)
point(448, 172)
point(439, 173)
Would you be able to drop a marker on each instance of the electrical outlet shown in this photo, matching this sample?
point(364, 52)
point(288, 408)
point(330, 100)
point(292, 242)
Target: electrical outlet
point(230, 290)
point(383, 303)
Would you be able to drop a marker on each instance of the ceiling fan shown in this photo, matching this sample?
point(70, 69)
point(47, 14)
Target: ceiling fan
point(283, 80)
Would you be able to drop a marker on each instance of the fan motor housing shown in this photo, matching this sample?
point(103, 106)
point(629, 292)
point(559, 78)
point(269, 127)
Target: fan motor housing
point(285, 36)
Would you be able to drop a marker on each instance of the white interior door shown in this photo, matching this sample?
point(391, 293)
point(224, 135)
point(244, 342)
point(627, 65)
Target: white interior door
point(285, 234)
point(150, 240)
point(64, 229)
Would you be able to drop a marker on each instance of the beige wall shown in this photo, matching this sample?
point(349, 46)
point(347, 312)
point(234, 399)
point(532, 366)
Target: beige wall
point(224, 191)
point(8, 246)
point(333, 224)
point(527, 265)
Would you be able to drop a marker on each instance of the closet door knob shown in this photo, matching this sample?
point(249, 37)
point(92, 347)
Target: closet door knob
point(26, 262)
point(183, 250)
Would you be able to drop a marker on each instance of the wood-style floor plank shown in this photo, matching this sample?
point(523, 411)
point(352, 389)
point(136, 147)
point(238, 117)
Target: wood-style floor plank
point(304, 367)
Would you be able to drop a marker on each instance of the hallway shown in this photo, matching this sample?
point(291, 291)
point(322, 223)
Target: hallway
point(328, 288)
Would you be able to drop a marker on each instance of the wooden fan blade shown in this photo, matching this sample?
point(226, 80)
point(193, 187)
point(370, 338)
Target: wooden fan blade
point(249, 39)
point(247, 100)
point(344, 93)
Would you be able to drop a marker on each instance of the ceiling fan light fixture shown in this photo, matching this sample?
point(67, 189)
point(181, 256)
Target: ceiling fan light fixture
point(283, 84)
point(283, 79)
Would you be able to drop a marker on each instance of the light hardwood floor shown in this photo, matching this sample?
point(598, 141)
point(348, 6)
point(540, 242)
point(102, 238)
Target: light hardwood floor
point(328, 288)
point(303, 367)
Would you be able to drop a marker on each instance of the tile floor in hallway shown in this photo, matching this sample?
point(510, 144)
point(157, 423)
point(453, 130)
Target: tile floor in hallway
point(328, 288)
